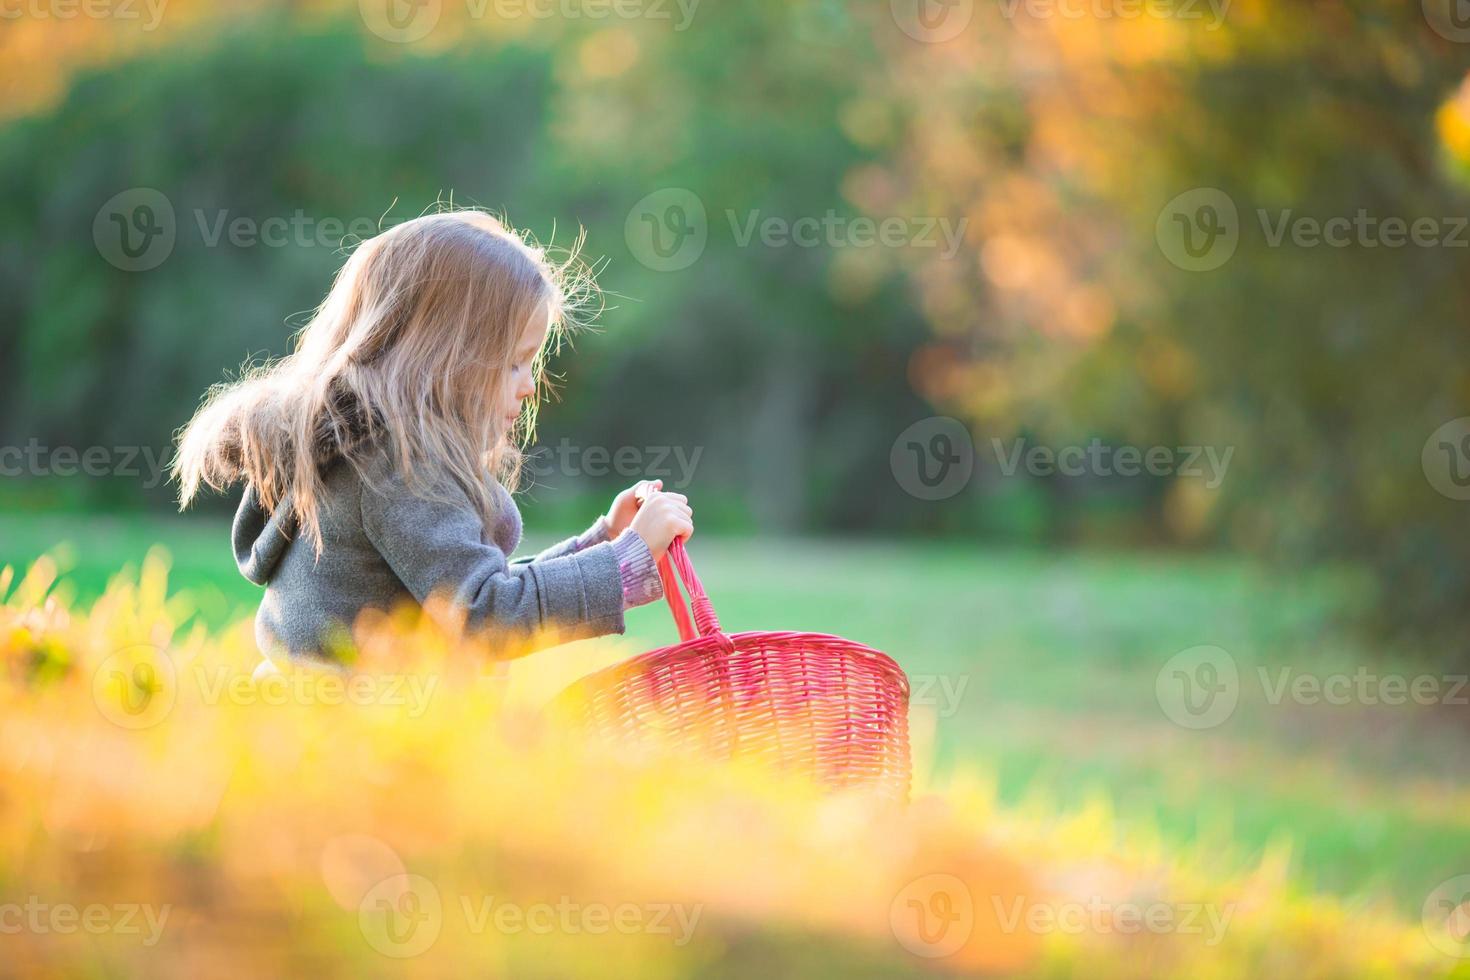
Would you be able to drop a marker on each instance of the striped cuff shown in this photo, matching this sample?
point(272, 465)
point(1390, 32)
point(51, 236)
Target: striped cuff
point(637, 569)
point(596, 534)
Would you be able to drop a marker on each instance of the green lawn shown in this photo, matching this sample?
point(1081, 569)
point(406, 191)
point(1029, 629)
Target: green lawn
point(1039, 671)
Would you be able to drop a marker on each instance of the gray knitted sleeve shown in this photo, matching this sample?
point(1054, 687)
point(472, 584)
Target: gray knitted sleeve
point(596, 534)
point(439, 551)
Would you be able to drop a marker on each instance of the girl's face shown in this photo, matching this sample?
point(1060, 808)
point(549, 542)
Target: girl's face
point(519, 382)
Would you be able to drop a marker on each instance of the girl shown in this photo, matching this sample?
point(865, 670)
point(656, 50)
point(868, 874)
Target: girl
point(375, 457)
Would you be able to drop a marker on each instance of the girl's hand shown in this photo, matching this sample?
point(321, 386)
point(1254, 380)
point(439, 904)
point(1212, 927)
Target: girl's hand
point(660, 519)
point(625, 505)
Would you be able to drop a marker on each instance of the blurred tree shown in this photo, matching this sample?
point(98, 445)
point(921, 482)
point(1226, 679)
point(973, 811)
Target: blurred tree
point(769, 361)
point(1087, 296)
point(1087, 148)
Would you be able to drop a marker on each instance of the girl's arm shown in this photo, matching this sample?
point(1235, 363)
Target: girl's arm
point(636, 567)
point(596, 534)
point(624, 507)
point(439, 552)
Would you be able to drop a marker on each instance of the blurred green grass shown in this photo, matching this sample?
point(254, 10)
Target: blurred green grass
point(1039, 671)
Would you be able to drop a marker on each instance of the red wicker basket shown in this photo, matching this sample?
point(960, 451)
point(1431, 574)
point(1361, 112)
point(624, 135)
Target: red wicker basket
point(828, 708)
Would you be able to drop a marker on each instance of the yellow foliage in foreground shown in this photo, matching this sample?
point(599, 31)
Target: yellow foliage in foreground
point(163, 813)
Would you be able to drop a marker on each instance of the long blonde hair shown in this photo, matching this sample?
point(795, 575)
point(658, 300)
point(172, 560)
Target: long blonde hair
point(410, 349)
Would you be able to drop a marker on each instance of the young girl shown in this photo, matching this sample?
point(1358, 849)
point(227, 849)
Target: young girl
point(375, 457)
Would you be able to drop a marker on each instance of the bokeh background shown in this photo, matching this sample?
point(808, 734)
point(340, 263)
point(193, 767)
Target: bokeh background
point(1106, 363)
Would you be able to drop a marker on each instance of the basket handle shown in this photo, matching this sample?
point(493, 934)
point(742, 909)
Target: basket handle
point(705, 621)
point(673, 568)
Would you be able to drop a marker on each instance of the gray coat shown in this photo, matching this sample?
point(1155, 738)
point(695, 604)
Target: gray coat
point(385, 546)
